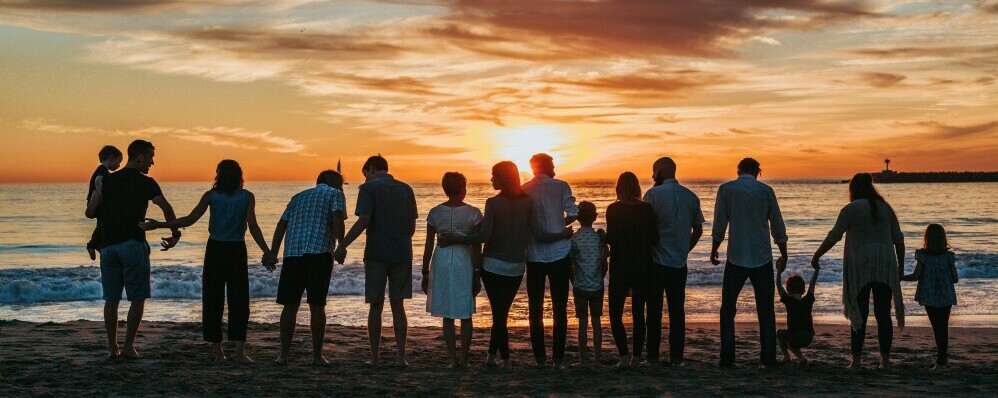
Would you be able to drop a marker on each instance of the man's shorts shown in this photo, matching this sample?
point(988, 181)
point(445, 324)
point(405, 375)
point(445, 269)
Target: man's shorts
point(588, 303)
point(307, 273)
point(397, 276)
point(125, 266)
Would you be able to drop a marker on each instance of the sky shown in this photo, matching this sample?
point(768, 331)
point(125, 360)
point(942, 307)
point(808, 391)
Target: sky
point(810, 88)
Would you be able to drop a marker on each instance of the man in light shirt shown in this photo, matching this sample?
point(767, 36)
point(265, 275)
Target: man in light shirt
point(548, 259)
point(680, 226)
point(750, 208)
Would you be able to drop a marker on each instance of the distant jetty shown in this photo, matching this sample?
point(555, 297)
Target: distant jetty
point(888, 176)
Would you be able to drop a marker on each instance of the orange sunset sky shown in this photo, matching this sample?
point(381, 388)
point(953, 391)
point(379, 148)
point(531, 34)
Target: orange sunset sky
point(810, 88)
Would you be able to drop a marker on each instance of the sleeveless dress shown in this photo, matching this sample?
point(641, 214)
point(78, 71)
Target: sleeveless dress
point(451, 271)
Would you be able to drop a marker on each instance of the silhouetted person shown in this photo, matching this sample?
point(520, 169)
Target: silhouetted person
point(680, 226)
point(386, 208)
point(505, 231)
point(110, 159)
point(120, 205)
point(632, 235)
point(226, 267)
point(873, 262)
point(310, 227)
point(751, 209)
point(548, 260)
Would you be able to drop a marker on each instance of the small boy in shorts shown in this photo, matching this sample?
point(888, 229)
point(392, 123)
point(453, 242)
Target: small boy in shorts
point(589, 266)
point(800, 325)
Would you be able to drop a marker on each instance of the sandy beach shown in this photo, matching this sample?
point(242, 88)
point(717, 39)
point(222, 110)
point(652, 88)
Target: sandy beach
point(67, 359)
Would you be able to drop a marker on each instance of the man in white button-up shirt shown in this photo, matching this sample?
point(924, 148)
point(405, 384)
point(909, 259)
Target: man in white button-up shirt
point(751, 209)
point(553, 208)
point(680, 226)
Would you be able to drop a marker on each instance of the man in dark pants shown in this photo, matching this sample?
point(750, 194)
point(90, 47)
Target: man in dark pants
point(751, 208)
point(680, 226)
point(548, 255)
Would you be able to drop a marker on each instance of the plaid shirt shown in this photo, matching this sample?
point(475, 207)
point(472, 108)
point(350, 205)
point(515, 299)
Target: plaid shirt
point(308, 215)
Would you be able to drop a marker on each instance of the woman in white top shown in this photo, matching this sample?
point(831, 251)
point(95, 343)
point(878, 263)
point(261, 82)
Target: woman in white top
point(450, 274)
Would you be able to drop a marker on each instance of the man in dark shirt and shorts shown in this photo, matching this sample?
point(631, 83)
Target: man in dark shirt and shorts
point(386, 208)
point(120, 205)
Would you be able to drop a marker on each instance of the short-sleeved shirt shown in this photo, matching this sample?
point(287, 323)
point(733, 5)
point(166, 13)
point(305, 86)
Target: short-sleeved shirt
point(102, 172)
point(677, 210)
point(935, 287)
point(308, 216)
point(125, 197)
point(799, 313)
point(587, 259)
point(391, 205)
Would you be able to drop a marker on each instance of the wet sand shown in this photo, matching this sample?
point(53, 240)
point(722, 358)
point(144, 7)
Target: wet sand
point(67, 359)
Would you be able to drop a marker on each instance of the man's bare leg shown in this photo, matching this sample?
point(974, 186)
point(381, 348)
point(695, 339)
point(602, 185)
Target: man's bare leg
point(801, 361)
point(135, 311)
point(583, 339)
point(374, 332)
point(401, 324)
point(449, 340)
point(289, 320)
point(111, 328)
point(318, 324)
point(466, 331)
point(597, 341)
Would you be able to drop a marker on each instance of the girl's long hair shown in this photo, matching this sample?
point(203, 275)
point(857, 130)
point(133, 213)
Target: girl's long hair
point(507, 176)
point(228, 177)
point(861, 187)
point(628, 187)
point(934, 242)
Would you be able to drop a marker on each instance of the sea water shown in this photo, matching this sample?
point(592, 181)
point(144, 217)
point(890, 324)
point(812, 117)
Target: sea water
point(45, 274)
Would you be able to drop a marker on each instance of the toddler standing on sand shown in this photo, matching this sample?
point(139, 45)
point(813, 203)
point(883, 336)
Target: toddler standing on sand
point(589, 267)
point(935, 271)
point(800, 325)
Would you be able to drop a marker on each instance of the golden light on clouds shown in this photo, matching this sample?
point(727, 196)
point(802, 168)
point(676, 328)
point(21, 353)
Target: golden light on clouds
point(812, 88)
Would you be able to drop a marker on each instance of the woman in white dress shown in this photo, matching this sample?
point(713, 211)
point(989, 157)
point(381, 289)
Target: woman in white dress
point(450, 274)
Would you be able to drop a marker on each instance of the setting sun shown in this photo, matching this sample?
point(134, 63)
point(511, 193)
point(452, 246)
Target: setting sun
point(518, 144)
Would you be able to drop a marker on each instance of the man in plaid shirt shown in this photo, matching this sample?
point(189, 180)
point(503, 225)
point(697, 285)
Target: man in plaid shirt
point(311, 226)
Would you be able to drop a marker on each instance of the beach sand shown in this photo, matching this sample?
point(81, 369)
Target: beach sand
point(67, 359)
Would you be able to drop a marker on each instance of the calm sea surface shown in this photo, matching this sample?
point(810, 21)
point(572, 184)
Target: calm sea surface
point(45, 274)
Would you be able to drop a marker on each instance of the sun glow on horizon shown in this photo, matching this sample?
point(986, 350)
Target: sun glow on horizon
point(519, 144)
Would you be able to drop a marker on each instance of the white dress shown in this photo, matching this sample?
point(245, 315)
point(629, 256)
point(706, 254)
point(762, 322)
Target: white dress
point(451, 271)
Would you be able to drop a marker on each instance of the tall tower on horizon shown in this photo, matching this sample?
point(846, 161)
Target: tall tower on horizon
point(887, 164)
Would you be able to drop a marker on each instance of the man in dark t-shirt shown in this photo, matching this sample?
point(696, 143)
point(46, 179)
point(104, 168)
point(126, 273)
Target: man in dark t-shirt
point(386, 208)
point(110, 159)
point(120, 205)
point(800, 324)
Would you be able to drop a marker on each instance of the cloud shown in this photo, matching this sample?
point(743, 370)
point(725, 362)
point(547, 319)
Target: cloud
point(881, 80)
point(534, 29)
point(91, 5)
point(669, 83)
point(235, 137)
point(940, 130)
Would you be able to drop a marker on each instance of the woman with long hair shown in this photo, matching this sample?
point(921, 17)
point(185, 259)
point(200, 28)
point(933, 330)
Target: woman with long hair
point(873, 262)
point(632, 235)
point(233, 209)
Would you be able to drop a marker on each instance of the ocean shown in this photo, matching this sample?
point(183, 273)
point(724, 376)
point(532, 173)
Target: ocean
point(45, 274)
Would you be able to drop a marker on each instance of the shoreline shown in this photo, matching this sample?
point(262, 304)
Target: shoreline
point(68, 359)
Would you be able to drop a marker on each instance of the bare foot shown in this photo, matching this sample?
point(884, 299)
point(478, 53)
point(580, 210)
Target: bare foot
point(786, 359)
point(320, 361)
point(93, 253)
point(559, 366)
point(855, 365)
point(491, 362)
point(243, 359)
point(940, 368)
point(884, 365)
point(802, 362)
point(282, 359)
point(402, 364)
point(219, 354)
point(635, 361)
point(114, 354)
point(624, 363)
point(130, 353)
point(507, 364)
point(375, 363)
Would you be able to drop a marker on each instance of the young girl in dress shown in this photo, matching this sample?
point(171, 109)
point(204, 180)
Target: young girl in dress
point(935, 271)
point(450, 274)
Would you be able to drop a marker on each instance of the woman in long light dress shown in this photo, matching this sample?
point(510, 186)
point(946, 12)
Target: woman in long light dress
point(450, 274)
